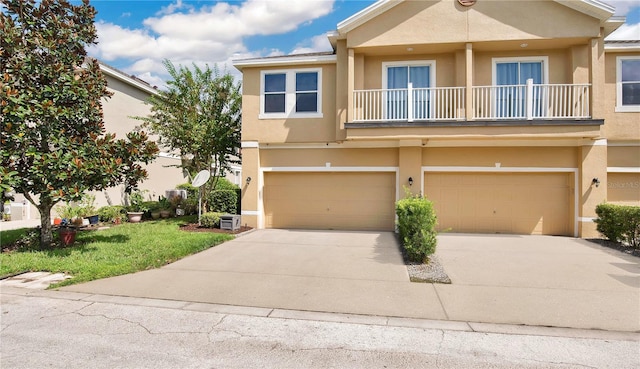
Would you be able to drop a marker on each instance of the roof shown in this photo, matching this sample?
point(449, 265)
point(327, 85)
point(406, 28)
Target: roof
point(128, 79)
point(280, 60)
point(622, 45)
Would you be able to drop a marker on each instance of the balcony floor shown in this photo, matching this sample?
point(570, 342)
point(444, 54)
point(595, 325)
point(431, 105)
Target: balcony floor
point(477, 123)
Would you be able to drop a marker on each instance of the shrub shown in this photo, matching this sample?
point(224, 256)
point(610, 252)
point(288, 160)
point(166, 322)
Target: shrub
point(111, 213)
point(416, 224)
point(619, 223)
point(210, 220)
point(223, 201)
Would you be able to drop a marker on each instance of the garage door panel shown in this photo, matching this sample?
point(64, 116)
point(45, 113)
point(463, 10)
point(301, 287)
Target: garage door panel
point(349, 201)
point(521, 203)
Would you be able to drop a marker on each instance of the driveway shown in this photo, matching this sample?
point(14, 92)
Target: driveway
point(533, 280)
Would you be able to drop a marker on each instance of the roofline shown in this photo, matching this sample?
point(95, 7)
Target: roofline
point(594, 8)
point(285, 60)
point(613, 46)
point(112, 72)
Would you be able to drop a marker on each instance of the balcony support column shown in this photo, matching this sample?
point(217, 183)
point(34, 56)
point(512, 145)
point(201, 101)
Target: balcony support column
point(468, 101)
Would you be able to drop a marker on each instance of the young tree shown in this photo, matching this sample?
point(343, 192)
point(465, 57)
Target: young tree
point(51, 127)
point(198, 116)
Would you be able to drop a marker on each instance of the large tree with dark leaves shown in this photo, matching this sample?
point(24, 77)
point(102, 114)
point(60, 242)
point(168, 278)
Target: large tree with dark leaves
point(52, 135)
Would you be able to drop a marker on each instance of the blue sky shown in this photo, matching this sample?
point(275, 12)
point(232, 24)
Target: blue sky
point(135, 36)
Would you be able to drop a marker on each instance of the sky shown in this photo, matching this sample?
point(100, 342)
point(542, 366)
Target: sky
point(136, 36)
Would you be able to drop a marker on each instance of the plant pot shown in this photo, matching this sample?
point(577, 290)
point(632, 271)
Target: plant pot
point(57, 221)
point(155, 214)
point(93, 219)
point(77, 221)
point(67, 236)
point(117, 220)
point(135, 217)
point(165, 213)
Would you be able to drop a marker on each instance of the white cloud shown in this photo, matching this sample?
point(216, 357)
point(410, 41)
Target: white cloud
point(315, 44)
point(211, 33)
point(623, 6)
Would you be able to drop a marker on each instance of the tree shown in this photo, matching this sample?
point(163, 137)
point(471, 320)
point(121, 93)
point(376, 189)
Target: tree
point(51, 127)
point(198, 116)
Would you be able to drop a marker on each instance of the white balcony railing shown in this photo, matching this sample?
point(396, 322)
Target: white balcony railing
point(424, 104)
point(513, 102)
point(562, 101)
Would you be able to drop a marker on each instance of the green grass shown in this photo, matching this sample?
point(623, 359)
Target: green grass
point(123, 249)
point(11, 236)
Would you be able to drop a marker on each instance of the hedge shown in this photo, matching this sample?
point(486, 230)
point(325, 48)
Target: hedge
point(619, 223)
point(416, 224)
point(210, 220)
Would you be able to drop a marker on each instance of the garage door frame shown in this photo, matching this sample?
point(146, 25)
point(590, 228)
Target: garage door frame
point(326, 169)
point(499, 169)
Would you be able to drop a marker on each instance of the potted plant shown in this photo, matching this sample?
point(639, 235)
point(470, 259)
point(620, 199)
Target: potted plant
point(67, 232)
point(154, 210)
point(165, 207)
point(137, 207)
point(87, 209)
point(69, 214)
point(112, 214)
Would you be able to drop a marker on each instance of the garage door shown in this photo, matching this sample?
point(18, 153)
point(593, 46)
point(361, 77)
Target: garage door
point(518, 203)
point(348, 201)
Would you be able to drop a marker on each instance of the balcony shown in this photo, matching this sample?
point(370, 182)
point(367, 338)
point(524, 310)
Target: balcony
point(528, 102)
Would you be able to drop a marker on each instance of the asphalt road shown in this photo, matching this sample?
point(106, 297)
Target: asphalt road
point(53, 331)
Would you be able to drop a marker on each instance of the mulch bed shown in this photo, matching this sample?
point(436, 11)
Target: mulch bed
point(616, 246)
point(194, 227)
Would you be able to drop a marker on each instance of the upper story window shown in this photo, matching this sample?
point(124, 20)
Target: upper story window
point(628, 84)
point(291, 94)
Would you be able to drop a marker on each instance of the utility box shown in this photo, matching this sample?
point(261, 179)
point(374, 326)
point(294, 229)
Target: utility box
point(230, 222)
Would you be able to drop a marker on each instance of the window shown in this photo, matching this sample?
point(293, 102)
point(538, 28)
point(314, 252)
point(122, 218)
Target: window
point(510, 77)
point(628, 84)
point(396, 78)
point(291, 94)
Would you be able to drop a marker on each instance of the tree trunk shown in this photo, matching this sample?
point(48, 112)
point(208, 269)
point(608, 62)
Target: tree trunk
point(46, 231)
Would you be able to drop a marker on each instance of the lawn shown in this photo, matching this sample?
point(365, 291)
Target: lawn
point(122, 249)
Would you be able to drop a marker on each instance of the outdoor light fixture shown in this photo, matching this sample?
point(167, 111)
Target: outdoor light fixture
point(248, 180)
point(596, 182)
point(410, 181)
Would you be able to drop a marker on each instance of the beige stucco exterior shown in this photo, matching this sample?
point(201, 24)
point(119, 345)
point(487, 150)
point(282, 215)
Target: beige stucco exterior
point(556, 159)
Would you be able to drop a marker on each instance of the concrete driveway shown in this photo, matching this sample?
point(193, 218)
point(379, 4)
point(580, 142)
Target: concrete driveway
point(533, 280)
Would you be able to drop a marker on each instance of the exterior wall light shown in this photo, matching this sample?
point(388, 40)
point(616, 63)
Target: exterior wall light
point(596, 182)
point(248, 180)
point(410, 181)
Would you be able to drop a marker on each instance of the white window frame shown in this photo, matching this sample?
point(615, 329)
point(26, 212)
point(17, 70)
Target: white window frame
point(290, 94)
point(408, 63)
point(518, 59)
point(619, 107)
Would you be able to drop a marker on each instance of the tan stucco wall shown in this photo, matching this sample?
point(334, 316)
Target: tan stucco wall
point(552, 157)
point(291, 129)
point(621, 125)
point(383, 157)
point(126, 102)
point(415, 22)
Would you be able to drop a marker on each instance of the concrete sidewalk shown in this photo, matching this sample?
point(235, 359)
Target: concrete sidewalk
point(542, 281)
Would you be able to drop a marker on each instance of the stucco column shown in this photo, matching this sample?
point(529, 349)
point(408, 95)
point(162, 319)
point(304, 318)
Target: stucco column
point(350, 83)
point(593, 166)
point(410, 163)
point(469, 81)
point(251, 185)
point(596, 78)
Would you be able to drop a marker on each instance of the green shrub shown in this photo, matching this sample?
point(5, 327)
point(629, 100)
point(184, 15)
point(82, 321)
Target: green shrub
point(111, 213)
point(210, 220)
point(223, 201)
point(192, 192)
point(416, 225)
point(619, 223)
